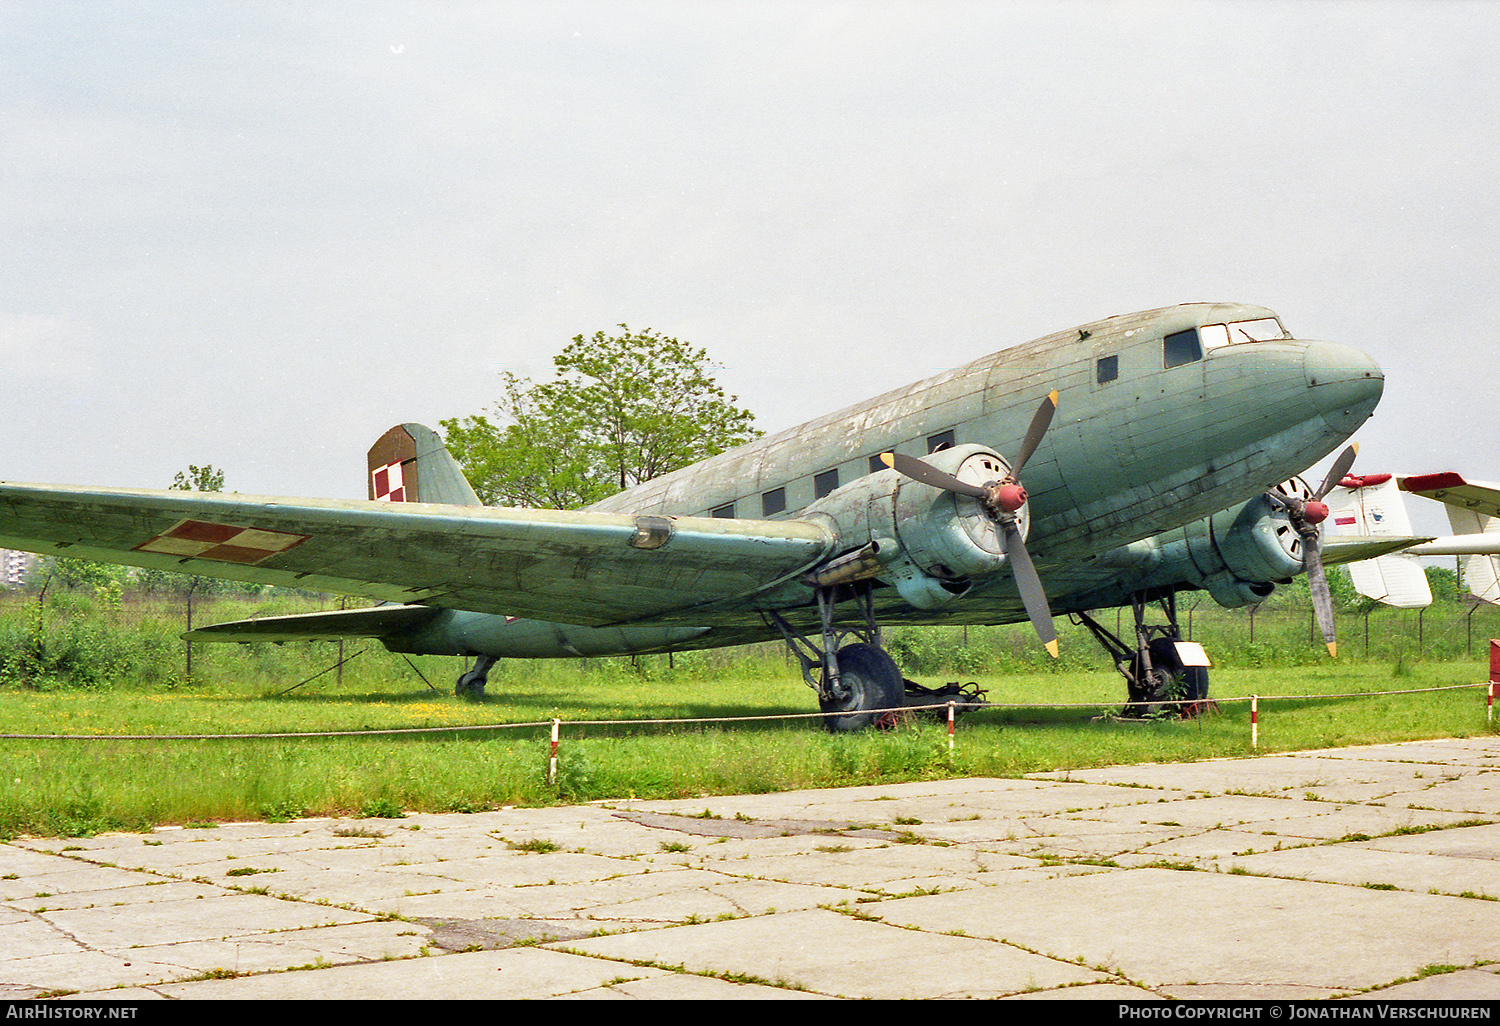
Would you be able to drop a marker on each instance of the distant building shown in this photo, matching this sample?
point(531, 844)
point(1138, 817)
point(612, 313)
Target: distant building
point(13, 567)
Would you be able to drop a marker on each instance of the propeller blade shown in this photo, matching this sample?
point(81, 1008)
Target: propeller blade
point(1032, 594)
point(919, 470)
point(1317, 584)
point(1339, 469)
point(1039, 424)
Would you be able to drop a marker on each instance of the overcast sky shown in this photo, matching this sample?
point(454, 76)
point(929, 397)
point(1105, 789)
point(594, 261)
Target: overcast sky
point(257, 235)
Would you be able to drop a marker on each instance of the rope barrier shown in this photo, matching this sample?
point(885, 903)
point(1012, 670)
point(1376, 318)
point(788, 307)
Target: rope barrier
point(952, 707)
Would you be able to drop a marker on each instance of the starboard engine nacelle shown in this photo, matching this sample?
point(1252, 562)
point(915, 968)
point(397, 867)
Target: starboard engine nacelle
point(929, 543)
point(1240, 554)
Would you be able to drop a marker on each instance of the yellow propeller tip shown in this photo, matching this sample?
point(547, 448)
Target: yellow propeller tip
point(1333, 649)
point(888, 458)
point(1051, 648)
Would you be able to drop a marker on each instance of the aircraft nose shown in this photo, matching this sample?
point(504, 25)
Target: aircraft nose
point(1344, 382)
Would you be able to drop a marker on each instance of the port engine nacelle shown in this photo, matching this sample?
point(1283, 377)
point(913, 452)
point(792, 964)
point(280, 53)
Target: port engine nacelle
point(929, 543)
point(1239, 555)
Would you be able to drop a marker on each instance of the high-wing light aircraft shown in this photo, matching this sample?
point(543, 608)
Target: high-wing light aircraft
point(1156, 450)
point(1371, 505)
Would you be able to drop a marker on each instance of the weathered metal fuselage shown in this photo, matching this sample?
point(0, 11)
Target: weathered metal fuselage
point(1148, 440)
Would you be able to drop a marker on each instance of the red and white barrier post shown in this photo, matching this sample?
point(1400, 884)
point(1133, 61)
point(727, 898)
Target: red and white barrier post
point(1489, 708)
point(1254, 721)
point(552, 759)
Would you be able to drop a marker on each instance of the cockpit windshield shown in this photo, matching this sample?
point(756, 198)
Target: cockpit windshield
point(1262, 329)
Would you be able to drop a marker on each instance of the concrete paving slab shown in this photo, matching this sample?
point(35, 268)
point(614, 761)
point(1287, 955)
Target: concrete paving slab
point(1163, 928)
point(1056, 886)
point(1362, 866)
point(842, 956)
point(480, 975)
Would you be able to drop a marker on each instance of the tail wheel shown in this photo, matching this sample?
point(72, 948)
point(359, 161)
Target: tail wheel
point(869, 680)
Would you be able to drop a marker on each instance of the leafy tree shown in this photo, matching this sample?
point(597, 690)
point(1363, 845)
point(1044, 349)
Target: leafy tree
point(621, 410)
point(199, 479)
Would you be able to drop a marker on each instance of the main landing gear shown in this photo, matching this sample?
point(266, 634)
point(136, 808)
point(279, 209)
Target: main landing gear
point(858, 684)
point(471, 684)
point(1157, 681)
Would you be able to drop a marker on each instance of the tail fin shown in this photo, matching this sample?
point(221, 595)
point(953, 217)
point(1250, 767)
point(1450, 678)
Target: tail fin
point(1480, 570)
point(409, 463)
point(1372, 506)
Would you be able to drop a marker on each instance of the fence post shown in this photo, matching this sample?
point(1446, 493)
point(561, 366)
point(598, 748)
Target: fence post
point(552, 759)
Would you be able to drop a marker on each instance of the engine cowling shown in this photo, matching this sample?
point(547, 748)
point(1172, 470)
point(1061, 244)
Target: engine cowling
point(1240, 554)
point(931, 543)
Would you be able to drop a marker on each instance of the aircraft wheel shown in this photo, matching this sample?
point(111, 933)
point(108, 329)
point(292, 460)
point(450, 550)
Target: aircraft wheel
point(868, 679)
point(471, 684)
point(1168, 681)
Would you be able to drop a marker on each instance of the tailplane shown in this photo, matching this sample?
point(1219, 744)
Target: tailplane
point(409, 463)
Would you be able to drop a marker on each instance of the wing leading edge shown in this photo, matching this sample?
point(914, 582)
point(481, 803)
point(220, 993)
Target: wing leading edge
point(570, 567)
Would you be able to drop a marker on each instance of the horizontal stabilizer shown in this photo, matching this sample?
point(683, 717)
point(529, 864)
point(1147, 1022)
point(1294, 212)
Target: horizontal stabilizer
point(1354, 547)
point(379, 622)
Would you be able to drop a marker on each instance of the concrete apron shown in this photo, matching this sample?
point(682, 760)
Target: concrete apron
point(1368, 872)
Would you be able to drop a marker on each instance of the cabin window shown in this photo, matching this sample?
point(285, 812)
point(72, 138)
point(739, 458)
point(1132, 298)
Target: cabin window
point(724, 512)
point(1181, 347)
point(940, 441)
point(773, 502)
point(1107, 369)
point(825, 482)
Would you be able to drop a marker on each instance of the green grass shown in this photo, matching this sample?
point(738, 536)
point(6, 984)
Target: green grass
point(81, 787)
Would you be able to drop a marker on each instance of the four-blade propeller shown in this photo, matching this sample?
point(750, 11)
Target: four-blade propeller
point(1306, 515)
point(1002, 500)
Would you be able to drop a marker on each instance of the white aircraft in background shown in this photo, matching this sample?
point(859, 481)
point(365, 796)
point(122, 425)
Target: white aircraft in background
point(1371, 505)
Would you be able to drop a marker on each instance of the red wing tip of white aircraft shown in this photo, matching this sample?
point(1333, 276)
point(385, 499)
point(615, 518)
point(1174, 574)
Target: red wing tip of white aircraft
point(1353, 481)
point(1431, 482)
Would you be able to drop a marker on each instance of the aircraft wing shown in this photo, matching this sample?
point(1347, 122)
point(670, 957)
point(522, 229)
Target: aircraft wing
point(570, 567)
point(1454, 490)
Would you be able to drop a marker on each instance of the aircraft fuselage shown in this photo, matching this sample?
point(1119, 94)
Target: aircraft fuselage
point(1163, 418)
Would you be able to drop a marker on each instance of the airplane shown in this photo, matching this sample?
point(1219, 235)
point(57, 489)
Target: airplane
point(1371, 505)
point(1158, 451)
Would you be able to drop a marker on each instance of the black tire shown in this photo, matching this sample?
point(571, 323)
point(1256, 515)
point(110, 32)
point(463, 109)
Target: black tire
point(868, 680)
point(1169, 681)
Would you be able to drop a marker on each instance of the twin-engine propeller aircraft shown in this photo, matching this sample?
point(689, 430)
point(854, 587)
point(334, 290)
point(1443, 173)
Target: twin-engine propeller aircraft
point(1151, 447)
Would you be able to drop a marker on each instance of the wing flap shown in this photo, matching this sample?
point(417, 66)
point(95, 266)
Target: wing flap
point(571, 567)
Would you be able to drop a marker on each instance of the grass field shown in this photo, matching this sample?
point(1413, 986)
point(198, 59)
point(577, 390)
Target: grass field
point(82, 667)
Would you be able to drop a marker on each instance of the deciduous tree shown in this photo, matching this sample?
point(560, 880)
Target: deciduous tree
point(622, 409)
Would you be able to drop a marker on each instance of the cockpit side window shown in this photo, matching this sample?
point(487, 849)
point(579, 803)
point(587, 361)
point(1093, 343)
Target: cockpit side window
point(1181, 347)
point(1213, 336)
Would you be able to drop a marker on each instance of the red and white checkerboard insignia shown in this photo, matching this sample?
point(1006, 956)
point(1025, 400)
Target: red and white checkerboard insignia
point(389, 483)
point(226, 543)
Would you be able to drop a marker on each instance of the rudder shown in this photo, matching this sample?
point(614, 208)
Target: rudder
point(409, 463)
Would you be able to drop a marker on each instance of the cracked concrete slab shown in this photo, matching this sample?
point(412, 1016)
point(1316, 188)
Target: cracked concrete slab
point(1359, 872)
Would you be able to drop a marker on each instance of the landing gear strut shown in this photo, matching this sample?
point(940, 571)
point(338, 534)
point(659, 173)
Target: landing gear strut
point(1153, 668)
point(857, 684)
point(471, 684)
